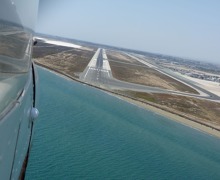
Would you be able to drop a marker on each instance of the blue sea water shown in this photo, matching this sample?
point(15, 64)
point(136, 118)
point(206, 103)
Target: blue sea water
point(84, 133)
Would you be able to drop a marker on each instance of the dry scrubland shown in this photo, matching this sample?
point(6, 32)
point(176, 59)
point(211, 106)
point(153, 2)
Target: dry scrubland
point(63, 59)
point(71, 61)
point(198, 109)
point(127, 69)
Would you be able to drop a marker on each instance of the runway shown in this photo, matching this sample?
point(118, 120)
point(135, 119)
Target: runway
point(98, 70)
point(98, 73)
point(167, 72)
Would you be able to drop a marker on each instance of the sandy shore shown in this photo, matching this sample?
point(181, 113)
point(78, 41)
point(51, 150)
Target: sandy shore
point(190, 123)
point(174, 117)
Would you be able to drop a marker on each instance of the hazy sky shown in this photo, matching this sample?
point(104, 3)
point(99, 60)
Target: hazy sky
point(185, 28)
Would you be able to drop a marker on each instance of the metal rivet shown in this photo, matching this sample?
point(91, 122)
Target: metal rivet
point(34, 113)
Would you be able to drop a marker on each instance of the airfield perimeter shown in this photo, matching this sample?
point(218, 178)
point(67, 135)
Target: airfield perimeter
point(131, 77)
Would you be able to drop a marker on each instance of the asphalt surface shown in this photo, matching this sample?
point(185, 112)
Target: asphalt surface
point(186, 81)
point(99, 76)
point(95, 73)
point(99, 62)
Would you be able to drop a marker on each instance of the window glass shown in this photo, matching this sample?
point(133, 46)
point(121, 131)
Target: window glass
point(15, 48)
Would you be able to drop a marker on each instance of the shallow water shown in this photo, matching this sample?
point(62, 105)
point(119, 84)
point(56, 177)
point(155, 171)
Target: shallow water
point(84, 133)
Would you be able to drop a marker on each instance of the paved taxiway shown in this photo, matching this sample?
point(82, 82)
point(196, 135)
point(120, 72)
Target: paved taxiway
point(98, 73)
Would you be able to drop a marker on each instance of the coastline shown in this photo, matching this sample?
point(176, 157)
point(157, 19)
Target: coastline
point(192, 123)
point(175, 117)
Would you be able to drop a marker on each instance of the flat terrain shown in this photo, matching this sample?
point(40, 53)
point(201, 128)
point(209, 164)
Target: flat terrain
point(130, 70)
point(73, 61)
point(201, 110)
point(213, 87)
point(43, 49)
point(64, 59)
